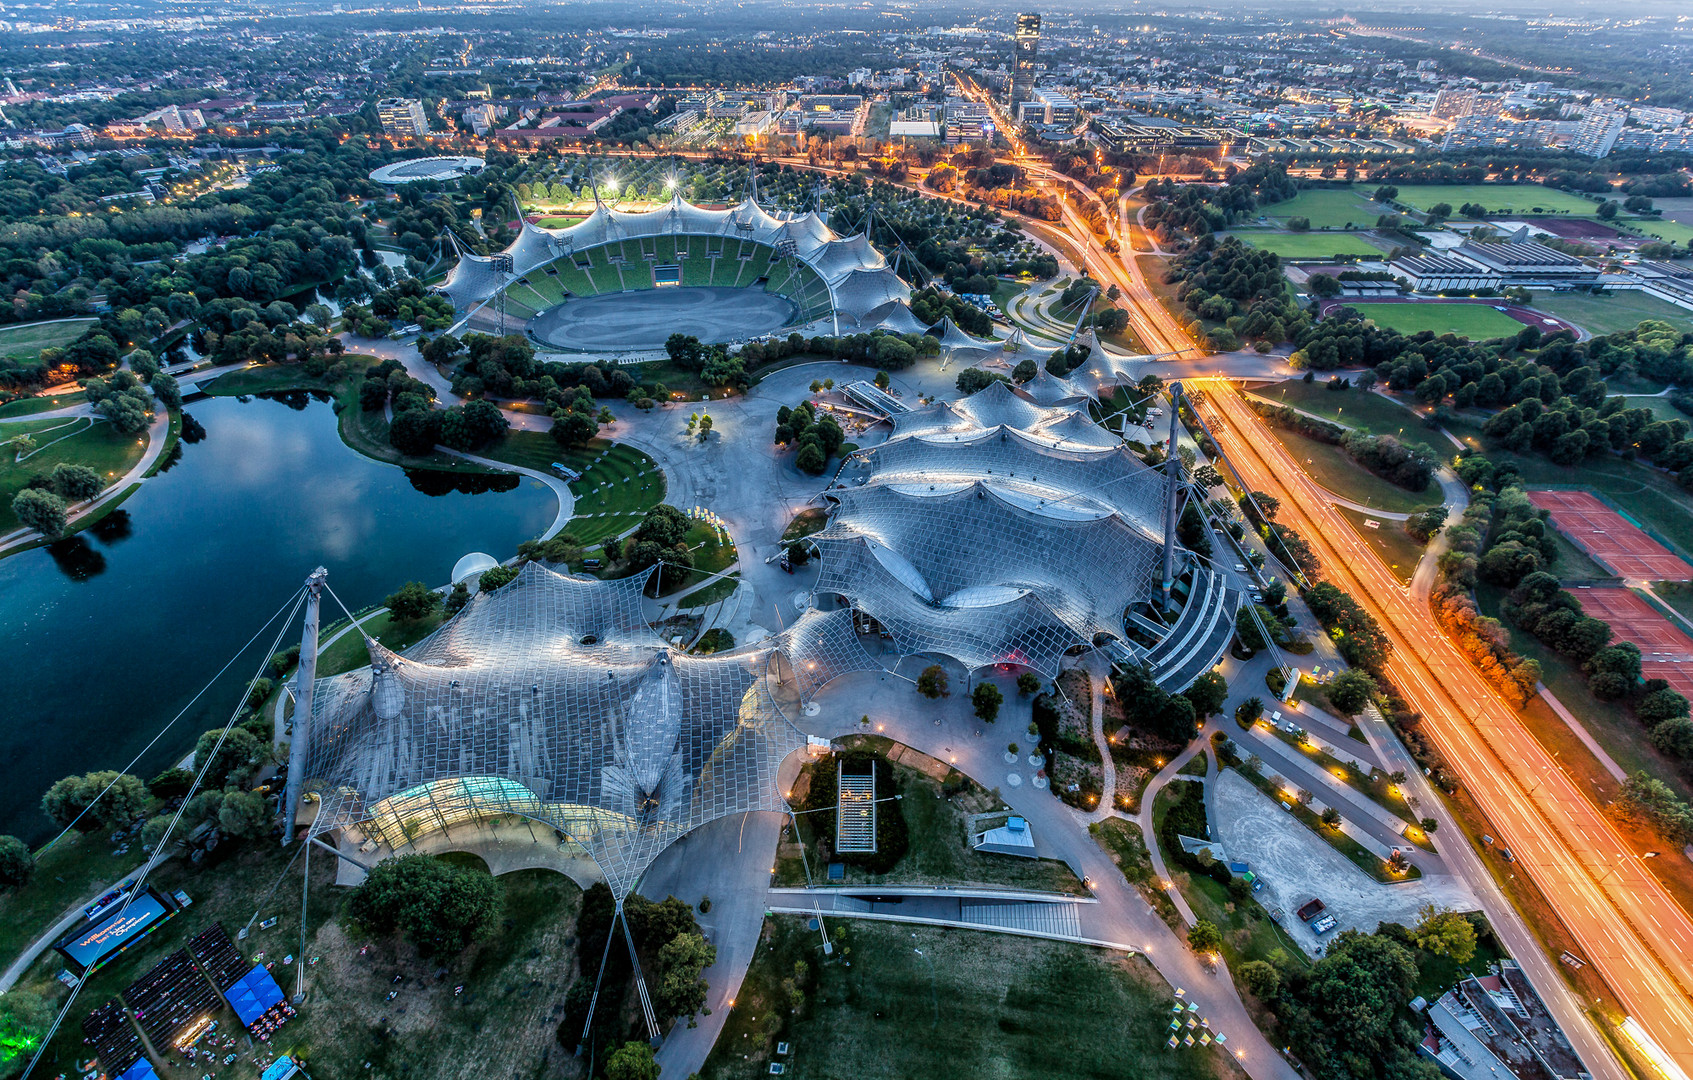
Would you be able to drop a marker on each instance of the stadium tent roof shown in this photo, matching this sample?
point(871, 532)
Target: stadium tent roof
point(1102, 372)
point(953, 339)
point(894, 316)
point(861, 291)
point(983, 573)
point(1049, 390)
point(1061, 478)
point(472, 279)
point(995, 405)
point(856, 274)
point(993, 530)
point(551, 698)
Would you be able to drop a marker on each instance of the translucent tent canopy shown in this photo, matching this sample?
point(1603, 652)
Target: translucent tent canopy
point(550, 698)
point(862, 287)
point(994, 530)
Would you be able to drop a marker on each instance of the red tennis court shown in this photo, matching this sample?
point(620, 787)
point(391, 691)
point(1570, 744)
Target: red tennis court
point(1666, 652)
point(1610, 538)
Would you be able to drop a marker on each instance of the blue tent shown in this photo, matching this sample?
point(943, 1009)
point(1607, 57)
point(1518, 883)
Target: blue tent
point(252, 994)
point(141, 1070)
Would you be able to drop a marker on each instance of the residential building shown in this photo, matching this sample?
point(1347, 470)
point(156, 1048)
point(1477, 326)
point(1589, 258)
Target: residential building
point(402, 116)
point(1598, 133)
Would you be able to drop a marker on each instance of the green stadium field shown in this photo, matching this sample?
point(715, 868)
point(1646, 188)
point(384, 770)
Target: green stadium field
point(1475, 321)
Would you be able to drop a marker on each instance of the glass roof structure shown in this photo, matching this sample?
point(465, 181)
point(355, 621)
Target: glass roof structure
point(995, 530)
point(863, 288)
point(550, 698)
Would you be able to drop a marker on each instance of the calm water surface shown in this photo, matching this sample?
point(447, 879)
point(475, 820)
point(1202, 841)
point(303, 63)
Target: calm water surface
point(108, 634)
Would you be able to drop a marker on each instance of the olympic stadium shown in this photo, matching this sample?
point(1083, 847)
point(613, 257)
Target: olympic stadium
point(626, 280)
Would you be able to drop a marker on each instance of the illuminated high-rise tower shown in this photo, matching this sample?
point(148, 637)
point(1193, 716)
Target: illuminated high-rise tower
point(1025, 47)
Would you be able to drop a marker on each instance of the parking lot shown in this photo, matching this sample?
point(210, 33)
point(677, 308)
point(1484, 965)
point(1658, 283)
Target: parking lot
point(1295, 865)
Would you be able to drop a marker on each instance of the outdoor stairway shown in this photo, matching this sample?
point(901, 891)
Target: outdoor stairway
point(1200, 634)
point(855, 812)
point(1063, 920)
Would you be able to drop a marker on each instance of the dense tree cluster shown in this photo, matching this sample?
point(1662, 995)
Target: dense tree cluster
point(1239, 286)
point(1361, 640)
point(814, 438)
point(440, 907)
point(1198, 209)
point(1548, 390)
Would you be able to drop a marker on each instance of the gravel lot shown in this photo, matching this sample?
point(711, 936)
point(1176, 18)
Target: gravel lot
point(1295, 865)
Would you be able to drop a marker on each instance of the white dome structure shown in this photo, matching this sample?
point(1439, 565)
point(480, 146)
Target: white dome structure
point(473, 564)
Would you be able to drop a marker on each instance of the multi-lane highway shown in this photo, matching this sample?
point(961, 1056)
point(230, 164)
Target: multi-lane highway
point(1628, 927)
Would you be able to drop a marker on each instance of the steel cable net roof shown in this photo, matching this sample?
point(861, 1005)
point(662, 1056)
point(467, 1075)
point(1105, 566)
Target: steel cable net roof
point(1064, 481)
point(998, 405)
point(984, 574)
point(552, 699)
point(1101, 372)
point(857, 275)
point(993, 530)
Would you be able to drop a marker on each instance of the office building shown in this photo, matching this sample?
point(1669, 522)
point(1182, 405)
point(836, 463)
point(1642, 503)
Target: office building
point(1025, 50)
point(402, 116)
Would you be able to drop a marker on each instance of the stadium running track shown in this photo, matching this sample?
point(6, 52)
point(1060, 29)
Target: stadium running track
point(1627, 926)
point(1610, 538)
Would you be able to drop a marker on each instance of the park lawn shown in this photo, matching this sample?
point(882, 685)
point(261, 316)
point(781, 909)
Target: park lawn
point(1614, 313)
point(1610, 724)
point(97, 446)
point(1357, 408)
point(538, 450)
point(26, 340)
point(1389, 541)
point(1329, 208)
point(1574, 564)
point(943, 1004)
point(1499, 199)
point(1477, 322)
point(31, 405)
point(1675, 594)
point(1659, 407)
point(1312, 246)
point(347, 653)
point(619, 484)
point(1330, 467)
point(1673, 231)
point(712, 555)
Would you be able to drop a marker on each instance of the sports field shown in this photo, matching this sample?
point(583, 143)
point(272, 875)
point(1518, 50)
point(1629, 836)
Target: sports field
point(1313, 245)
point(1611, 538)
point(1665, 651)
point(1329, 208)
point(1497, 198)
point(1614, 313)
point(1476, 321)
point(26, 340)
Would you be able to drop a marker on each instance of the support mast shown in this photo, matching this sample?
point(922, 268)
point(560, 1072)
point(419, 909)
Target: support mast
point(1172, 507)
point(306, 681)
